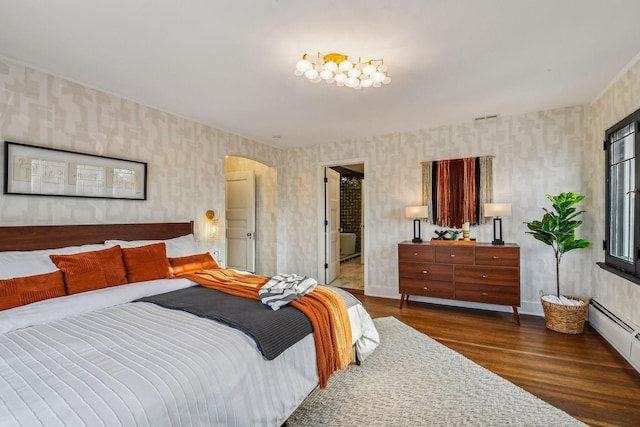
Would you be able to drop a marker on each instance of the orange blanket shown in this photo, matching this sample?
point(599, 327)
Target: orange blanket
point(324, 307)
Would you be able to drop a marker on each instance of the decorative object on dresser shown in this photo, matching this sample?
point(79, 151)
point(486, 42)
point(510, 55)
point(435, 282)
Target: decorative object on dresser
point(466, 233)
point(416, 213)
point(480, 272)
point(557, 229)
point(497, 210)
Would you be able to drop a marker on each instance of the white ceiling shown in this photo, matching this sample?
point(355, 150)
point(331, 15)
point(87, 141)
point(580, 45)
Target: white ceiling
point(229, 64)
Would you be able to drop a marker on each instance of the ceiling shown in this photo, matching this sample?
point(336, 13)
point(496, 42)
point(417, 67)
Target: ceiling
point(229, 64)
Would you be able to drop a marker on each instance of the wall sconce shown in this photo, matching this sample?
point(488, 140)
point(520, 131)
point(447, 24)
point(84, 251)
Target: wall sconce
point(211, 228)
point(416, 213)
point(496, 210)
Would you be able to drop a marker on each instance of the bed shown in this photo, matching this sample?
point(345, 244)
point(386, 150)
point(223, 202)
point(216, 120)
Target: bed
point(98, 357)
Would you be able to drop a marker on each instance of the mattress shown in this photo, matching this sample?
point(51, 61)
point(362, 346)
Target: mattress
point(99, 359)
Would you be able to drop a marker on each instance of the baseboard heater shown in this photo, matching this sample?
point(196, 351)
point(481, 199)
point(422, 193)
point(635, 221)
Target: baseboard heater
point(622, 334)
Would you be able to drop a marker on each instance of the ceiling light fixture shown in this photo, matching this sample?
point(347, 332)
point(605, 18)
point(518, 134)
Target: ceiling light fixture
point(336, 68)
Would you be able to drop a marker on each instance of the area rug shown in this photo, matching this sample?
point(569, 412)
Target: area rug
point(412, 380)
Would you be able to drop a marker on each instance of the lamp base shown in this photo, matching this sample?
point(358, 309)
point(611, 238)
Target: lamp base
point(497, 232)
point(416, 231)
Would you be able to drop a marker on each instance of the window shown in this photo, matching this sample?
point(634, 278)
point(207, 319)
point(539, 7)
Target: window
point(622, 144)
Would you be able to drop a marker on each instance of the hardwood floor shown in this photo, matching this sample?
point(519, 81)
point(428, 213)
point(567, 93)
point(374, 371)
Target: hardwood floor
point(580, 374)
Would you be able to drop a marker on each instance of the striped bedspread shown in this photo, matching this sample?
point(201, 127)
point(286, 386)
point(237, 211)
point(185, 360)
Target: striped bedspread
point(137, 364)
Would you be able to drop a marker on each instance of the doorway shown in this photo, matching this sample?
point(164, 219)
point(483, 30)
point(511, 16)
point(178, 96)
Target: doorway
point(263, 236)
point(352, 219)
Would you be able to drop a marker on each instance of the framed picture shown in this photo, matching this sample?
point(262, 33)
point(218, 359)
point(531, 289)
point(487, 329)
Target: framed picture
point(32, 170)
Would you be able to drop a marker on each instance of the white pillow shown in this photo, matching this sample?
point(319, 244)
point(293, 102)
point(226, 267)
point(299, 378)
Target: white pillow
point(176, 247)
point(30, 263)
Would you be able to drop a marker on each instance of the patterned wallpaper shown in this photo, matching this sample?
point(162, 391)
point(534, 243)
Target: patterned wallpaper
point(536, 153)
point(186, 160)
point(617, 102)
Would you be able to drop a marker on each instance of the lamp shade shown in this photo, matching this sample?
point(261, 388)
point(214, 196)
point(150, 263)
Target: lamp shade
point(497, 209)
point(413, 212)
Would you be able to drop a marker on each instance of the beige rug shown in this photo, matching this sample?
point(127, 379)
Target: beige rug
point(412, 380)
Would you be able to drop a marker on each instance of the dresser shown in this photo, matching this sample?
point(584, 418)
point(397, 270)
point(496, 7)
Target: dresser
point(481, 273)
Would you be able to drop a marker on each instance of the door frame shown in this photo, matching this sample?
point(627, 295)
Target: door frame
point(321, 209)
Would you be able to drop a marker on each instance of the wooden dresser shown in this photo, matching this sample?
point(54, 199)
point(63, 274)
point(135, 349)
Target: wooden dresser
point(481, 273)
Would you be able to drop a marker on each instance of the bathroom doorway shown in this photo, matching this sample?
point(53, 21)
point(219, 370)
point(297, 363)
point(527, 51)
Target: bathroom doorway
point(352, 227)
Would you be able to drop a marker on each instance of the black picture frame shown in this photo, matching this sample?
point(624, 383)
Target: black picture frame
point(30, 170)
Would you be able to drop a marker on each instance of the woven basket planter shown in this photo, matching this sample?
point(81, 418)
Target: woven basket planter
point(568, 319)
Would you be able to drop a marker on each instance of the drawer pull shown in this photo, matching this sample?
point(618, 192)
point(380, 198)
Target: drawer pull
point(484, 294)
point(453, 255)
point(425, 272)
point(415, 254)
point(494, 257)
point(484, 276)
point(425, 288)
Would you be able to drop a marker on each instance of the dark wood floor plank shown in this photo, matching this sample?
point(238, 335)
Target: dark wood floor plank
point(580, 374)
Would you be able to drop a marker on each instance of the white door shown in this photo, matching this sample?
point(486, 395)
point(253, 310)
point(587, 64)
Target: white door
point(332, 224)
point(241, 220)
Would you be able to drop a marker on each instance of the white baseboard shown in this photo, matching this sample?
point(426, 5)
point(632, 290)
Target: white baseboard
point(526, 307)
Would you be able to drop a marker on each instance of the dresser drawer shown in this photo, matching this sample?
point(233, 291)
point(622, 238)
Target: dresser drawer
point(500, 276)
point(489, 294)
point(425, 271)
point(417, 252)
point(426, 288)
point(454, 255)
point(499, 256)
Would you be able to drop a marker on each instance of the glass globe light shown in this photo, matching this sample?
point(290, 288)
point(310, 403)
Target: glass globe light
point(352, 82)
point(369, 69)
point(357, 87)
point(326, 74)
point(366, 83)
point(376, 84)
point(311, 74)
point(303, 65)
point(346, 65)
point(297, 72)
point(341, 78)
point(378, 77)
point(382, 68)
point(386, 80)
point(354, 72)
point(339, 83)
point(331, 66)
point(319, 67)
point(316, 80)
point(331, 80)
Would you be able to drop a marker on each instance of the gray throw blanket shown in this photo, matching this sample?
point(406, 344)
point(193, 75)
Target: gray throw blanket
point(273, 331)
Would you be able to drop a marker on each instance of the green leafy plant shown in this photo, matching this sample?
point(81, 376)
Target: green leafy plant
point(557, 228)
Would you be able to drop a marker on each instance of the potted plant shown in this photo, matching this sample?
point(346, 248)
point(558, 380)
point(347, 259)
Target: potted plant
point(557, 229)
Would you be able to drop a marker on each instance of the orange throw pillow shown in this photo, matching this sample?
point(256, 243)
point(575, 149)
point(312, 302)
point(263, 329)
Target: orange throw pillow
point(192, 263)
point(88, 271)
point(25, 290)
point(146, 262)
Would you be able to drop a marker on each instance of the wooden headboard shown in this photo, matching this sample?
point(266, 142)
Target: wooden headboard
point(32, 237)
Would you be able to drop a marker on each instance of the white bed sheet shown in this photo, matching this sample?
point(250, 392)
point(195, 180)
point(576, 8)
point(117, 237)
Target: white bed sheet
point(94, 359)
